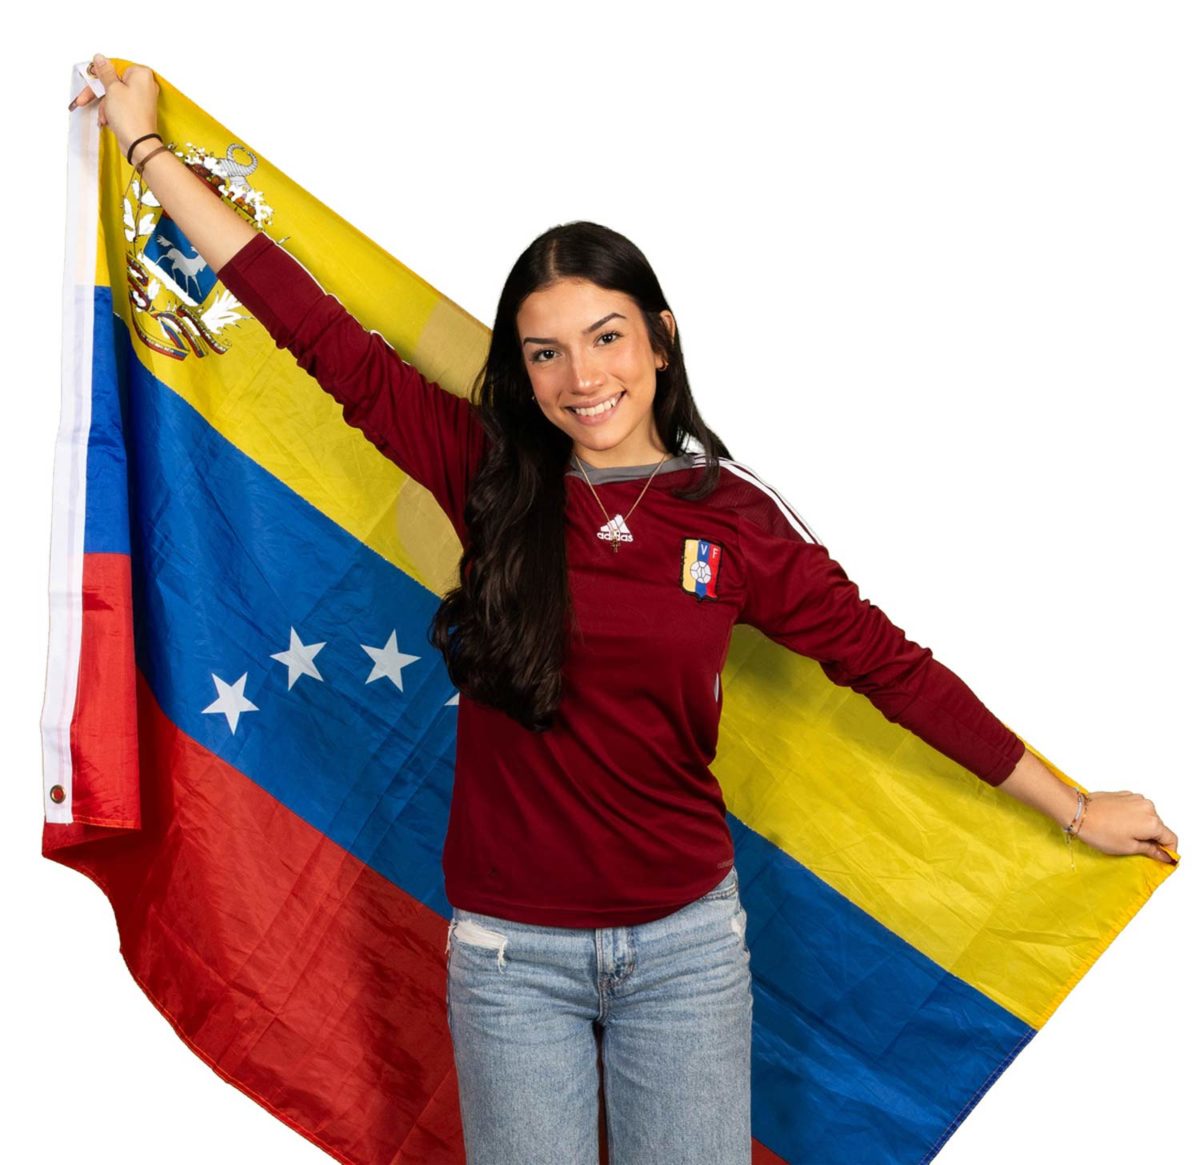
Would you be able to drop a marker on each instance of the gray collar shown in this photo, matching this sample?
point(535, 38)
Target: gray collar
point(598, 476)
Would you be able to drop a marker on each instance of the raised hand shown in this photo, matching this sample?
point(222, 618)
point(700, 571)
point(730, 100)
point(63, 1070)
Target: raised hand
point(129, 106)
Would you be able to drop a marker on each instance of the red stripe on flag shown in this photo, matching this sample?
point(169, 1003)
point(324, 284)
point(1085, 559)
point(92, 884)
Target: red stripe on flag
point(249, 930)
point(761, 1155)
point(104, 751)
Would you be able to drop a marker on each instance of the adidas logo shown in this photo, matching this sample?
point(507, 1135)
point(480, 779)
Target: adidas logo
point(617, 526)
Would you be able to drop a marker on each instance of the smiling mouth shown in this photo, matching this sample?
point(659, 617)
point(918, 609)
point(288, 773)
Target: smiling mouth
point(605, 406)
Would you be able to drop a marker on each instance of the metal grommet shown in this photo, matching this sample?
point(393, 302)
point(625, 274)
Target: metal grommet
point(58, 794)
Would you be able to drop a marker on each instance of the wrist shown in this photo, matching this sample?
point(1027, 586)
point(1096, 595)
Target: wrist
point(1076, 822)
point(1034, 784)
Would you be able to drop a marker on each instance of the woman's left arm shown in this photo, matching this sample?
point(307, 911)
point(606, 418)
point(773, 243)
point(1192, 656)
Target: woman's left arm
point(801, 597)
point(1114, 823)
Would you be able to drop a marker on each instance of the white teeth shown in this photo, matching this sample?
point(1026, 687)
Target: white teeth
point(597, 409)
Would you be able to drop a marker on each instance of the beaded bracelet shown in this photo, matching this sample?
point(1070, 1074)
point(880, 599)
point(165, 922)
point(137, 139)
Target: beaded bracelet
point(1076, 823)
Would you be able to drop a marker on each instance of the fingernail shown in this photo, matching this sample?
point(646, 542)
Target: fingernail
point(74, 102)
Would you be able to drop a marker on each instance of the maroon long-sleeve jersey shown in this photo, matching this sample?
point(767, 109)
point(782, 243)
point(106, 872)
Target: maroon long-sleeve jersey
point(613, 817)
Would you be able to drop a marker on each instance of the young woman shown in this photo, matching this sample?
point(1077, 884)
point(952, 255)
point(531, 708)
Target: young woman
point(611, 544)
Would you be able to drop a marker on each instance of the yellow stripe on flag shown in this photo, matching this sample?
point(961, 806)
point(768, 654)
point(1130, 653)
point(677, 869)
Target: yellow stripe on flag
point(977, 881)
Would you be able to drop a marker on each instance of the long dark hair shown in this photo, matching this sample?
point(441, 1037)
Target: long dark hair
point(504, 630)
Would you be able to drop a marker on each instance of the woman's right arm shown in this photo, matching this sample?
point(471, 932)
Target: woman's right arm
point(129, 108)
point(432, 434)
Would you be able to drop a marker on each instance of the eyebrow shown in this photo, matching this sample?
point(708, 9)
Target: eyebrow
point(612, 315)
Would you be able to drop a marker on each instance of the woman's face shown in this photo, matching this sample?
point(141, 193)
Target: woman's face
point(585, 346)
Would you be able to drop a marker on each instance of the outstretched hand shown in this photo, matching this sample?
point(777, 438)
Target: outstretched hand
point(1126, 823)
point(129, 106)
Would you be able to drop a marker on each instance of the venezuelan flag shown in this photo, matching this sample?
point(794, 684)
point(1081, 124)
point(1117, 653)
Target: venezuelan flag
point(264, 808)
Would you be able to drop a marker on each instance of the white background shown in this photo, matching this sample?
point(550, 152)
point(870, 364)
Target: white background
point(935, 271)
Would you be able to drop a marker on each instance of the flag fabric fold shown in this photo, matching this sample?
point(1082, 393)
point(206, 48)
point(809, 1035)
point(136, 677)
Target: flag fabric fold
point(264, 803)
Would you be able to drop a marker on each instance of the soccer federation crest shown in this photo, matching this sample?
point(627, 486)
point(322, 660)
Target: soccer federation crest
point(700, 567)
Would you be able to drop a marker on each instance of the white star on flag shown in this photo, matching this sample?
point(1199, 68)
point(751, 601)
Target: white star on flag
point(231, 701)
point(299, 659)
point(453, 700)
point(388, 661)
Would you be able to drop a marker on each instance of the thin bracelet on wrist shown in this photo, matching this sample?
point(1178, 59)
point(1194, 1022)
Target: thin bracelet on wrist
point(1073, 827)
point(138, 141)
point(141, 165)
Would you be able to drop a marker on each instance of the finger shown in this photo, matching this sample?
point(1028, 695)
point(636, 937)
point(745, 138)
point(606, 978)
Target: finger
point(1167, 837)
point(1155, 849)
point(83, 98)
point(103, 68)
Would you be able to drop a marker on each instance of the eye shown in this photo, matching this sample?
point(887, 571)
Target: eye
point(609, 334)
point(537, 356)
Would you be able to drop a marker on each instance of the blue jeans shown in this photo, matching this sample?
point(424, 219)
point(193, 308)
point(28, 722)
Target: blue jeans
point(671, 1002)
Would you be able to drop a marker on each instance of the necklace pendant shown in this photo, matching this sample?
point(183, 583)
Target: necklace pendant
point(615, 545)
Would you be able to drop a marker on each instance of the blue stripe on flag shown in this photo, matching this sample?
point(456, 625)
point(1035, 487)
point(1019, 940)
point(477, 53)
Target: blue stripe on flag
point(106, 526)
point(831, 1048)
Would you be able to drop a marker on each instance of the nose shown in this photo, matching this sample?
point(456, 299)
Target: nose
point(589, 376)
